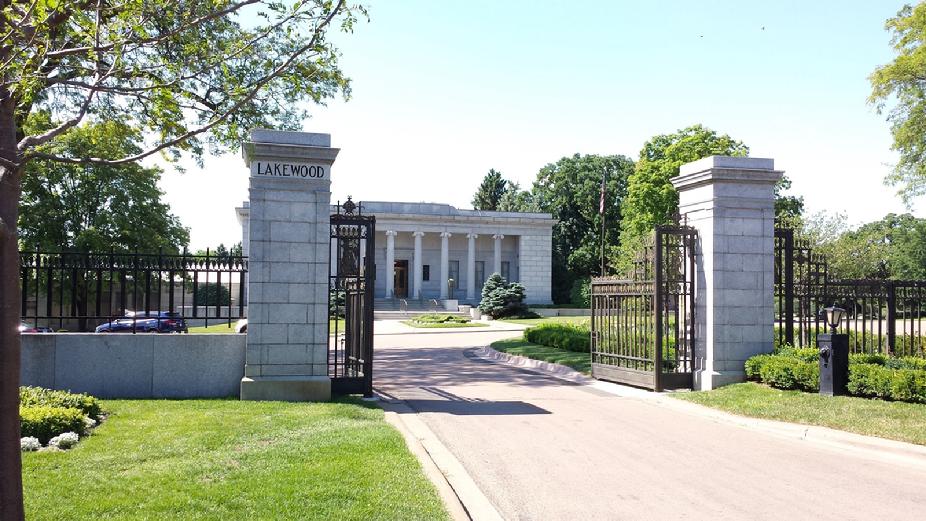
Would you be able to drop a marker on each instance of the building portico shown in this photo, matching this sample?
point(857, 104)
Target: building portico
point(440, 242)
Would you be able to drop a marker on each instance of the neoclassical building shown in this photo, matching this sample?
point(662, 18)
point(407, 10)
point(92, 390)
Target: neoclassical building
point(420, 247)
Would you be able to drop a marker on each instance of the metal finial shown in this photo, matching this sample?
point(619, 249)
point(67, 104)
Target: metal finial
point(349, 206)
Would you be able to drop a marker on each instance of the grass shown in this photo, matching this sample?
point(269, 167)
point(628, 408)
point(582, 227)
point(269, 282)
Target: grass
point(518, 346)
point(893, 420)
point(227, 459)
point(441, 325)
point(546, 320)
point(223, 327)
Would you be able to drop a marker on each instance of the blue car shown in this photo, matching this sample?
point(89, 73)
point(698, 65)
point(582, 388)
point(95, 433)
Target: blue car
point(146, 322)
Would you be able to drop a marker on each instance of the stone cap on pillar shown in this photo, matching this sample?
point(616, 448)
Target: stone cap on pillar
point(708, 170)
point(286, 145)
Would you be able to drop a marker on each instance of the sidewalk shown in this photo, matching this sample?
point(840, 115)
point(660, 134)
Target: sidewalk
point(539, 447)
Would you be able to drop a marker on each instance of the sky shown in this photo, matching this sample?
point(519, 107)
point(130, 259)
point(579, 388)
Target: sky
point(444, 91)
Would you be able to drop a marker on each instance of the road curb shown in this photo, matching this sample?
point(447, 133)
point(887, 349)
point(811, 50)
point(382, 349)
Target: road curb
point(463, 499)
point(871, 447)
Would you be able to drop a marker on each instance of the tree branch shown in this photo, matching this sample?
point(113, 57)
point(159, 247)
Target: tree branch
point(147, 41)
point(255, 90)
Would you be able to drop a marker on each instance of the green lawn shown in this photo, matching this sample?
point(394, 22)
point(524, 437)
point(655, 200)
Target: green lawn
point(441, 325)
point(556, 320)
point(518, 346)
point(223, 327)
point(894, 420)
point(227, 459)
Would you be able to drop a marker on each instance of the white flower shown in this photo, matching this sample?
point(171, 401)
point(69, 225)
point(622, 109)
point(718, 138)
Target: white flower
point(29, 443)
point(89, 423)
point(64, 441)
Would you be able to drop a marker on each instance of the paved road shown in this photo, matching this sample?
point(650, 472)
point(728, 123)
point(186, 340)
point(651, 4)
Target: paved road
point(544, 449)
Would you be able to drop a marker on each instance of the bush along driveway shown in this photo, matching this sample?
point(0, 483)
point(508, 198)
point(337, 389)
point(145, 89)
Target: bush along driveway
point(557, 342)
point(227, 459)
point(889, 394)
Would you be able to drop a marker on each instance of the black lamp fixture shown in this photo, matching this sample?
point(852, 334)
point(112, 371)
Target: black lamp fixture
point(833, 316)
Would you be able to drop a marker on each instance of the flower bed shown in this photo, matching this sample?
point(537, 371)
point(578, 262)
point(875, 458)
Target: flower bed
point(870, 375)
point(56, 419)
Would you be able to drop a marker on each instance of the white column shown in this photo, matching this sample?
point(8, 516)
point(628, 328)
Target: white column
point(497, 266)
point(731, 202)
point(419, 271)
point(390, 263)
point(471, 267)
point(444, 262)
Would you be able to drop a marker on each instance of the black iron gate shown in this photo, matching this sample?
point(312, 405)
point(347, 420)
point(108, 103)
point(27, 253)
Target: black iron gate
point(350, 300)
point(643, 329)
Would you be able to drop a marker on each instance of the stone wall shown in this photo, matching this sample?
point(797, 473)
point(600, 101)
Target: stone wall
point(135, 366)
point(536, 271)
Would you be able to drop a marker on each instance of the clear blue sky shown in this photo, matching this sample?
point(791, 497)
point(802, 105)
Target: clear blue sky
point(443, 91)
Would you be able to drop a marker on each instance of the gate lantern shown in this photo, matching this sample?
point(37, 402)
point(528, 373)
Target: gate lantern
point(834, 355)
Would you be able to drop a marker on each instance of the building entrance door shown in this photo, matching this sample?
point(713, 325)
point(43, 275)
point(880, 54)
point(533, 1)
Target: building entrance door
point(401, 279)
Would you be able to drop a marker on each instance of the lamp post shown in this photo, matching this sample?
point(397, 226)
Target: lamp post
point(834, 354)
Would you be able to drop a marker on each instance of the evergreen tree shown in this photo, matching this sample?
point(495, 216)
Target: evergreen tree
point(490, 192)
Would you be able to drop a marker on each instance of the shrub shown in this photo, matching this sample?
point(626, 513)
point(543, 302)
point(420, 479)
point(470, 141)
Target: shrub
point(867, 358)
point(441, 318)
point(876, 381)
point(561, 336)
point(804, 354)
point(212, 294)
point(502, 299)
point(45, 422)
point(29, 444)
point(580, 295)
point(64, 440)
point(754, 366)
point(32, 396)
point(786, 372)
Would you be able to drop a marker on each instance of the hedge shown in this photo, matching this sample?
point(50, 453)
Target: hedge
point(45, 422)
point(562, 336)
point(33, 396)
point(870, 375)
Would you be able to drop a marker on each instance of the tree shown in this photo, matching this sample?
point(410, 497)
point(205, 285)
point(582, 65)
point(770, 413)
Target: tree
point(651, 198)
point(185, 75)
point(788, 208)
point(501, 298)
point(490, 192)
point(570, 190)
point(96, 208)
point(903, 83)
point(516, 200)
point(893, 247)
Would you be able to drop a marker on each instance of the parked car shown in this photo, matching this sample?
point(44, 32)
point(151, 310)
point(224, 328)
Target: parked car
point(241, 326)
point(25, 327)
point(145, 322)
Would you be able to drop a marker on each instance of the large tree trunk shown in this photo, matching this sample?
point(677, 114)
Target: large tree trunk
point(11, 495)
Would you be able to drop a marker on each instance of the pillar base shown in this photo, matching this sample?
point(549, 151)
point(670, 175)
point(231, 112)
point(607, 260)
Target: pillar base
point(286, 388)
point(708, 380)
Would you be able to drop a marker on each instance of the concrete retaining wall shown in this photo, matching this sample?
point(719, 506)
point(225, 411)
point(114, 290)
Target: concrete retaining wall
point(135, 366)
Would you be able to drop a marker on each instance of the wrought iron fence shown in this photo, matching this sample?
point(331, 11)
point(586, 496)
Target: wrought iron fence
point(883, 316)
point(642, 328)
point(156, 292)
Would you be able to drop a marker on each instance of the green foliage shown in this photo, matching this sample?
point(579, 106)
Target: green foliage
point(870, 375)
point(581, 293)
point(501, 298)
point(490, 192)
point(441, 318)
point(786, 372)
point(562, 336)
point(893, 247)
point(186, 75)
point(45, 421)
point(212, 294)
point(901, 83)
point(570, 190)
point(95, 207)
point(36, 396)
point(651, 198)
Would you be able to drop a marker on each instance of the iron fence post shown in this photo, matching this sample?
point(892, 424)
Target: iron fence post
point(658, 295)
point(891, 317)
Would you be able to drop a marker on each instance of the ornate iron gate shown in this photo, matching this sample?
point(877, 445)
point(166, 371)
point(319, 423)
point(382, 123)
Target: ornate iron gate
point(643, 327)
point(350, 300)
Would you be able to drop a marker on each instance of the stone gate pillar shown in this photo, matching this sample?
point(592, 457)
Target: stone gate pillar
point(731, 202)
point(288, 230)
